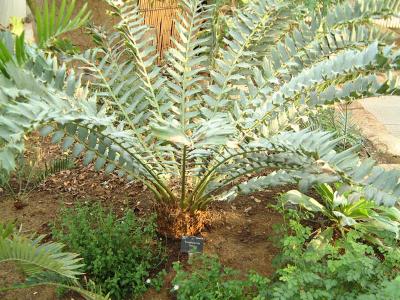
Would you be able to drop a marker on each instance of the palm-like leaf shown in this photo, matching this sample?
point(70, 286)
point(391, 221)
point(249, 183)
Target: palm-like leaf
point(43, 263)
point(52, 20)
point(195, 126)
point(348, 209)
point(47, 256)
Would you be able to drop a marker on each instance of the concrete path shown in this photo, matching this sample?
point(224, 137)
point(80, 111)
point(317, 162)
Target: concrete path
point(379, 121)
point(386, 110)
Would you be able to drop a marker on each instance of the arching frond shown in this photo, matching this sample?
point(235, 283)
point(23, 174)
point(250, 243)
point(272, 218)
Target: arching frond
point(193, 127)
point(52, 20)
point(42, 263)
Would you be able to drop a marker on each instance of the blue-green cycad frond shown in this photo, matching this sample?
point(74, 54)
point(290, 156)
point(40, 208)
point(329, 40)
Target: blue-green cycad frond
point(188, 63)
point(140, 41)
point(190, 126)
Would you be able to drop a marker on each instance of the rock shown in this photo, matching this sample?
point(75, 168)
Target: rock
point(247, 209)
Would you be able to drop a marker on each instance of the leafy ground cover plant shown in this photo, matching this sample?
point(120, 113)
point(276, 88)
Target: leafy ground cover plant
point(43, 263)
point(389, 290)
point(345, 210)
point(208, 279)
point(195, 128)
point(348, 268)
point(120, 254)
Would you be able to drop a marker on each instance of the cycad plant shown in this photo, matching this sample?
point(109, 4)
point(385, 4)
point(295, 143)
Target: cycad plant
point(337, 119)
point(55, 19)
point(42, 263)
point(209, 123)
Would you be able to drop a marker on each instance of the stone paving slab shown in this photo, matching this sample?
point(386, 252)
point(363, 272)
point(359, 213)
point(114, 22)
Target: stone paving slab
point(369, 115)
point(386, 110)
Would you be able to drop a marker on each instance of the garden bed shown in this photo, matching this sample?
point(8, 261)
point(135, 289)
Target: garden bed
point(239, 232)
point(179, 142)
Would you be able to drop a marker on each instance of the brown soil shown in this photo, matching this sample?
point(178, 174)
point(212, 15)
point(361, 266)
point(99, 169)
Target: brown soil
point(9, 275)
point(380, 157)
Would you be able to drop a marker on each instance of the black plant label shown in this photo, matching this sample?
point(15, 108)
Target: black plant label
point(192, 244)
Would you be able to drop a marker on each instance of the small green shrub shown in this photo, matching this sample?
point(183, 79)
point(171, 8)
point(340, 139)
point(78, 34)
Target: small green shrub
point(209, 280)
point(345, 269)
point(120, 254)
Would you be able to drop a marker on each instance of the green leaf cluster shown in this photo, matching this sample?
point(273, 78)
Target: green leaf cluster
point(208, 279)
point(346, 268)
point(55, 19)
point(120, 254)
point(346, 210)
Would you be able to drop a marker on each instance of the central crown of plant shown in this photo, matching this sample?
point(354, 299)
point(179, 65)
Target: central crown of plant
point(221, 107)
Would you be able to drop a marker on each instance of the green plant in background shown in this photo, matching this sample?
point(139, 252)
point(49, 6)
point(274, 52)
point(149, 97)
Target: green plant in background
point(12, 48)
point(29, 174)
point(347, 268)
point(194, 132)
point(220, 22)
point(319, 6)
point(337, 120)
point(209, 280)
point(43, 263)
point(120, 254)
point(346, 210)
point(55, 19)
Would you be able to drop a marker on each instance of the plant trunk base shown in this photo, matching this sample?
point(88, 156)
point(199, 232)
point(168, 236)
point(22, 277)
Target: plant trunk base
point(175, 222)
point(20, 204)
